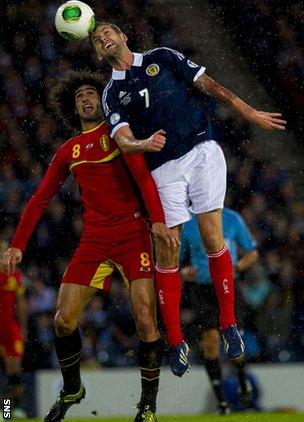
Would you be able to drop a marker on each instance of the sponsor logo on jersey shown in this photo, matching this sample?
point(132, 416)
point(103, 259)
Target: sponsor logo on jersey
point(121, 94)
point(152, 69)
point(89, 146)
point(126, 99)
point(192, 64)
point(114, 118)
point(105, 142)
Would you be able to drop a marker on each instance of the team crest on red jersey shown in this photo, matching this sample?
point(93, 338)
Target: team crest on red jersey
point(105, 142)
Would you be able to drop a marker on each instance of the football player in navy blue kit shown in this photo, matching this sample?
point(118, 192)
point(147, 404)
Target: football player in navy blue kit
point(150, 93)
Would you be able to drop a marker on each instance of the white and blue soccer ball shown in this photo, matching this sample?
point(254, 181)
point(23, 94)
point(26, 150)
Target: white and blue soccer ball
point(75, 20)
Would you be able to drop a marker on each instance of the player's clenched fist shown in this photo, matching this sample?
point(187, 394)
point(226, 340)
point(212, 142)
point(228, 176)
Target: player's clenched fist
point(155, 142)
point(10, 258)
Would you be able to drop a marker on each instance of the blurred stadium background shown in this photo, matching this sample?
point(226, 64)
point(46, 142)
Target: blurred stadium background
point(255, 48)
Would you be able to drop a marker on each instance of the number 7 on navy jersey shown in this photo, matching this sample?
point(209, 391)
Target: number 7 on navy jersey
point(145, 93)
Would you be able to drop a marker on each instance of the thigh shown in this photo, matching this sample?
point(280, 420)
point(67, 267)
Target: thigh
point(210, 225)
point(91, 264)
point(72, 299)
point(11, 341)
point(207, 184)
point(172, 188)
point(167, 257)
point(132, 255)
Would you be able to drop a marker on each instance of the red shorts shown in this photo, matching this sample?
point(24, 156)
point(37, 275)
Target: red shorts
point(124, 247)
point(11, 342)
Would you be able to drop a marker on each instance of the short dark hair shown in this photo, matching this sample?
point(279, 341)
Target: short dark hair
point(62, 96)
point(110, 24)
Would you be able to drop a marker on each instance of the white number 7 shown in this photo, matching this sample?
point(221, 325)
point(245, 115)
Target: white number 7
point(145, 93)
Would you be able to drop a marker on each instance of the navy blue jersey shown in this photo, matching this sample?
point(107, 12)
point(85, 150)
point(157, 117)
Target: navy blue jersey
point(155, 93)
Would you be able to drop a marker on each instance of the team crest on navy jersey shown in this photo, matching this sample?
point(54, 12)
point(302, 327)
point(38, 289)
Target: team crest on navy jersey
point(105, 142)
point(152, 69)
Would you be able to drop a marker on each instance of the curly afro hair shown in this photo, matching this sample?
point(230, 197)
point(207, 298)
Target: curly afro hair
point(62, 96)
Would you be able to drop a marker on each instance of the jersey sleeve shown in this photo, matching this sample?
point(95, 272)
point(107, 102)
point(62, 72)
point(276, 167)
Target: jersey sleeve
point(49, 185)
point(113, 111)
point(142, 176)
point(244, 238)
point(183, 67)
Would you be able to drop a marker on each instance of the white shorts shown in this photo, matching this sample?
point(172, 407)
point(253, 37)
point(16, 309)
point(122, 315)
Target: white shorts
point(195, 182)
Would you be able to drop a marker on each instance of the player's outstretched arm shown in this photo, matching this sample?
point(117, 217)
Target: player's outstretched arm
point(263, 119)
point(127, 143)
point(49, 185)
point(142, 176)
point(10, 259)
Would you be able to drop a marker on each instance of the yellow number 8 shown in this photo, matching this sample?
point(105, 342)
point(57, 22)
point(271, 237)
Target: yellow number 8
point(76, 151)
point(145, 259)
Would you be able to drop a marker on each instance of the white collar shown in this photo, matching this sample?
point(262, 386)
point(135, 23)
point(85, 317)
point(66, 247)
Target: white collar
point(138, 59)
point(121, 74)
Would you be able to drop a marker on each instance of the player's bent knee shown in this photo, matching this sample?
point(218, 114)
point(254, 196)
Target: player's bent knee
point(167, 257)
point(63, 325)
point(213, 243)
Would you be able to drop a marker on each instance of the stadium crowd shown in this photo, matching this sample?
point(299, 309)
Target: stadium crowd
point(32, 56)
point(274, 46)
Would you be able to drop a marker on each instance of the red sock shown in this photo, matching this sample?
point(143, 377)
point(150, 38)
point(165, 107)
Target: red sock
point(168, 288)
point(221, 271)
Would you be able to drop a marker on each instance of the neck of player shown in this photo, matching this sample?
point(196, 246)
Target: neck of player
point(85, 126)
point(123, 60)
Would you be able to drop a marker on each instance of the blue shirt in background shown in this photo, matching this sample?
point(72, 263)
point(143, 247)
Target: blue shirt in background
point(236, 233)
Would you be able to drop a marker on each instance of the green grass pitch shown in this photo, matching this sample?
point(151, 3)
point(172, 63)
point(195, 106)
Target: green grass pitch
point(240, 417)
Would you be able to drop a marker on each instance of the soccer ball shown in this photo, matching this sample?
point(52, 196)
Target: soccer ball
point(75, 20)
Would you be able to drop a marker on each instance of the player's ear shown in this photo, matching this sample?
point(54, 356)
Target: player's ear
point(124, 38)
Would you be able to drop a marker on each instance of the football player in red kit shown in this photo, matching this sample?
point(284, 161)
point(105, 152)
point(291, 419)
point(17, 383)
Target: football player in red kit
point(13, 316)
point(115, 236)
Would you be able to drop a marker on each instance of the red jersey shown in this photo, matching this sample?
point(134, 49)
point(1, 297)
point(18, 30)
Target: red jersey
point(10, 287)
point(105, 186)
